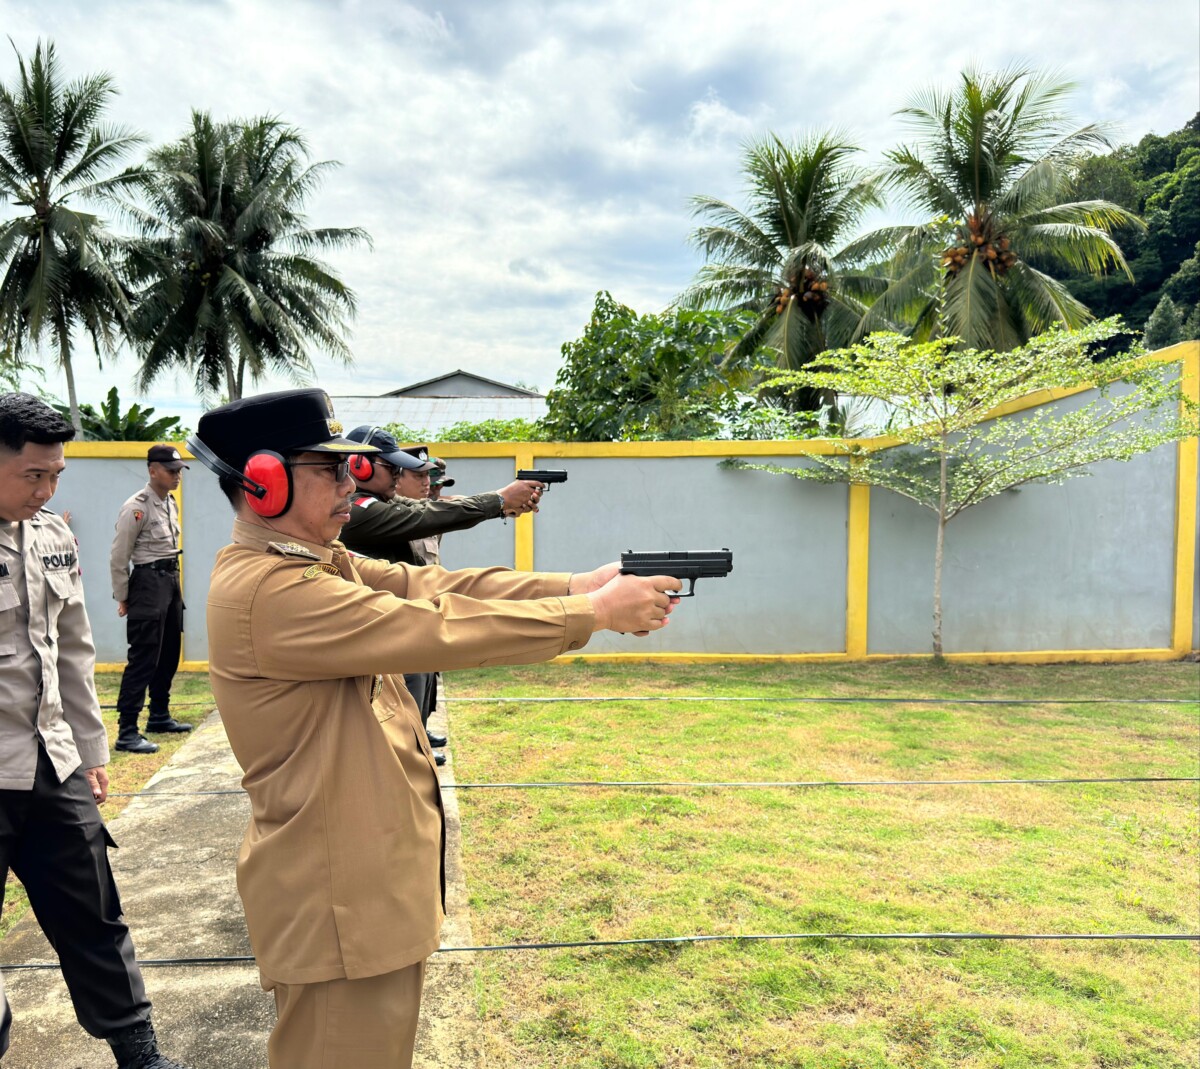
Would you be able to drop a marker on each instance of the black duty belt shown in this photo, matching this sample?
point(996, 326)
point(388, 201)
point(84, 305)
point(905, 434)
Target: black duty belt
point(166, 564)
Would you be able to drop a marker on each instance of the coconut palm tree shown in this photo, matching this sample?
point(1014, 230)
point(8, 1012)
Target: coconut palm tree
point(992, 165)
point(781, 256)
point(228, 288)
point(58, 260)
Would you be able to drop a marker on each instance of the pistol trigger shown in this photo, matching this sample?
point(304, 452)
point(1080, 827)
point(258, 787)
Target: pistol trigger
point(691, 590)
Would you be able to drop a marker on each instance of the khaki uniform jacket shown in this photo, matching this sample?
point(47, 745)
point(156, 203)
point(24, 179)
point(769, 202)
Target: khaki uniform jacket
point(47, 663)
point(147, 530)
point(340, 869)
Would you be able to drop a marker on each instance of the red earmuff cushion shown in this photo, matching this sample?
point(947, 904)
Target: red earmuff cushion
point(270, 471)
point(361, 467)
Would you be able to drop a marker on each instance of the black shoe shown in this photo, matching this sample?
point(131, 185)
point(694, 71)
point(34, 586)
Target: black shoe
point(134, 743)
point(166, 724)
point(439, 758)
point(435, 740)
point(136, 1047)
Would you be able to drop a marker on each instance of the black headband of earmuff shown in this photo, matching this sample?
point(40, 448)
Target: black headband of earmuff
point(215, 464)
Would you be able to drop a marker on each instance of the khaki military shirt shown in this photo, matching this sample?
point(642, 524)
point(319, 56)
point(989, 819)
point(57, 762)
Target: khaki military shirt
point(46, 655)
point(427, 550)
point(340, 870)
point(147, 530)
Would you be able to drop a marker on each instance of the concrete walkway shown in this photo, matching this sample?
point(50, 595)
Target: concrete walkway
point(175, 873)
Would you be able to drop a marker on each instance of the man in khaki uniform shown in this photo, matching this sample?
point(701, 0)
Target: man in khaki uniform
point(341, 869)
point(147, 537)
point(53, 746)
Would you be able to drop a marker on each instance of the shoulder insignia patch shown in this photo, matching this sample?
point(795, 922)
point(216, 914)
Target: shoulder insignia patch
point(292, 549)
point(315, 570)
point(137, 515)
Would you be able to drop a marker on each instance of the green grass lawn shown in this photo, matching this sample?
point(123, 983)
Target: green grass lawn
point(620, 863)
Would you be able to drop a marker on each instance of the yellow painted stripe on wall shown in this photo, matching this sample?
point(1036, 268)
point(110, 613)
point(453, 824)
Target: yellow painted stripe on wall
point(994, 657)
point(523, 525)
point(1188, 469)
point(858, 552)
point(990, 657)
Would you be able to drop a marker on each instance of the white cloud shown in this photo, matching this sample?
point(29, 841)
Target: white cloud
point(512, 158)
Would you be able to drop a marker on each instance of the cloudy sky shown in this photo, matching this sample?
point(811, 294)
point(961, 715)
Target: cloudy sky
point(511, 158)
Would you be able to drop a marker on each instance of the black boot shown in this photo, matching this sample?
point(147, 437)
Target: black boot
point(131, 742)
point(136, 1047)
point(165, 722)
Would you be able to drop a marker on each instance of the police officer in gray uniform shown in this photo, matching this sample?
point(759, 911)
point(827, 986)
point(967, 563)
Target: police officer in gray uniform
point(147, 536)
point(53, 746)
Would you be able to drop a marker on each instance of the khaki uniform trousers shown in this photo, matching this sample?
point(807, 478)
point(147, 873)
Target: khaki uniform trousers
point(347, 1024)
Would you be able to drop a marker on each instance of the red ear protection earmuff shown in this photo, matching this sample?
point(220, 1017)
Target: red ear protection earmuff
point(362, 467)
point(271, 472)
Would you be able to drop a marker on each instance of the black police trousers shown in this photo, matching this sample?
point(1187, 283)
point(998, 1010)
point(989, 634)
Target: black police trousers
point(423, 687)
point(153, 626)
point(52, 837)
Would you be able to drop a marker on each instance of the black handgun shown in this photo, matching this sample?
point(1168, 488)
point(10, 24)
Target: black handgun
point(544, 475)
point(680, 564)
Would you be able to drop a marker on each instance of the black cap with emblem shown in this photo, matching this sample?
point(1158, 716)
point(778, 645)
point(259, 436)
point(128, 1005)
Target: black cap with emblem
point(166, 455)
point(421, 452)
point(289, 421)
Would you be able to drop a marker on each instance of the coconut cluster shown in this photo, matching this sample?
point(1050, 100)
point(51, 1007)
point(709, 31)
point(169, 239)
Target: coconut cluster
point(991, 248)
point(809, 290)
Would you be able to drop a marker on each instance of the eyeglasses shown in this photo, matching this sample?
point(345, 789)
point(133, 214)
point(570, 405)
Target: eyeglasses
point(339, 469)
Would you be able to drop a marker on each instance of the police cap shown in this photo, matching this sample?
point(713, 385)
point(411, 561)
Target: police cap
point(421, 452)
point(166, 455)
point(289, 421)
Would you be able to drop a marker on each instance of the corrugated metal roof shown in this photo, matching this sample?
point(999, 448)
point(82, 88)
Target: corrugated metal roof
point(505, 389)
point(433, 414)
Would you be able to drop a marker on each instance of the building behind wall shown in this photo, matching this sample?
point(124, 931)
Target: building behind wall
point(430, 406)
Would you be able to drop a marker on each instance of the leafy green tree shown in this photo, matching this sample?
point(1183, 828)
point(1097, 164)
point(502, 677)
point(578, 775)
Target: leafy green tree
point(780, 257)
point(632, 377)
point(491, 430)
point(59, 274)
point(229, 287)
point(992, 163)
point(403, 433)
point(947, 452)
point(1191, 328)
point(1164, 327)
point(110, 424)
point(1156, 178)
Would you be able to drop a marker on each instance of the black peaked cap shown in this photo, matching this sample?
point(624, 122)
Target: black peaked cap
point(289, 421)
